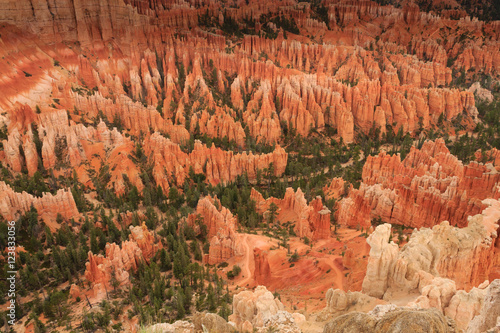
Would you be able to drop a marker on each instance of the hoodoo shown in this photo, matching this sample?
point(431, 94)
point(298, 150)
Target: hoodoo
point(250, 166)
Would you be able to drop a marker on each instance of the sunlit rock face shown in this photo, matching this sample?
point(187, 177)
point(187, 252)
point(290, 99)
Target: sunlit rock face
point(130, 93)
point(429, 186)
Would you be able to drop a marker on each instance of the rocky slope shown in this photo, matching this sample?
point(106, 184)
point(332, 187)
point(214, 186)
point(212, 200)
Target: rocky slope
point(311, 221)
point(132, 104)
point(416, 320)
point(429, 186)
point(400, 79)
point(13, 204)
point(103, 271)
point(220, 225)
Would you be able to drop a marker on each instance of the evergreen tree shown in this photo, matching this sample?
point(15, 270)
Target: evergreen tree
point(165, 261)
point(272, 214)
point(94, 246)
point(181, 312)
point(211, 303)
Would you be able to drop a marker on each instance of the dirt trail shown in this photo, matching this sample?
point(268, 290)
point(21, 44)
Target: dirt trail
point(338, 273)
point(325, 170)
point(246, 262)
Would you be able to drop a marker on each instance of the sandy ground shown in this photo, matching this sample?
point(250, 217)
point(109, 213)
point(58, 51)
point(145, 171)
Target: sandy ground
point(303, 284)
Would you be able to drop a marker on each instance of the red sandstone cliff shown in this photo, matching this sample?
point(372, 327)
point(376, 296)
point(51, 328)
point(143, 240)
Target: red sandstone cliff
point(12, 204)
point(443, 251)
point(428, 187)
point(119, 260)
point(218, 165)
point(401, 79)
point(312, 221)
point(221, 229)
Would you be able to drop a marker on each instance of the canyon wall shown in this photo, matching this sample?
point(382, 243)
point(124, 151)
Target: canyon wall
point(102, 272)
point(430, 185)
point(221, 228)
point(344, 80)
point(13, 204)
point(311, 221)
point(444, 251)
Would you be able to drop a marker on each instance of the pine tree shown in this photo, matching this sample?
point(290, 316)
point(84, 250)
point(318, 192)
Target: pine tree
point(165, 261)
point(32, 221)
point(94, 247)
point(133, 197)
point(49, 238)
point(180, 304)
point(197, 252)
point(102, 240)
point(178, 269)
point(272, 214)
point(114, 281)
point(211, 298)
point(224, 311)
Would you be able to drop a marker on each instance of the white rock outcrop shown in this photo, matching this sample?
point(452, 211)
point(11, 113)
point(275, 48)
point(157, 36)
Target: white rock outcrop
point(259, 310)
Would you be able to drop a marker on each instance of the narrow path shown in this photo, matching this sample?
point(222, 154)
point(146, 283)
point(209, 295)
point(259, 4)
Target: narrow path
point(338, 273)
point(246, 269)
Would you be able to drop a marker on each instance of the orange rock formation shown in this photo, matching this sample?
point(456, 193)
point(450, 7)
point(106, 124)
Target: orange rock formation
point(443, 251)
point(342, 78)
point(119, 260)
point(429, 186)
point(312, 221)
point(335, 189)
point(218, 165)
point(12, 204)
point(221, 229)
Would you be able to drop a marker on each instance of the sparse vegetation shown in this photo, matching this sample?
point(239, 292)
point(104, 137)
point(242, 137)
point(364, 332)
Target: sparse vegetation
point(206, 74)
